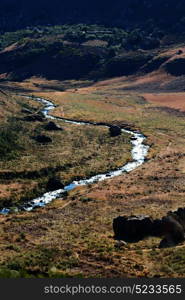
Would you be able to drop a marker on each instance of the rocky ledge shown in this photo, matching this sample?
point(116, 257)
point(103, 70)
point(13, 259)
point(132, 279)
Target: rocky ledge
point(171, 228)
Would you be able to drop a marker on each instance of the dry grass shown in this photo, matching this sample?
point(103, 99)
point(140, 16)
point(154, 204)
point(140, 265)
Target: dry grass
point(73, 237)
point(172, 100)
point(75, 152)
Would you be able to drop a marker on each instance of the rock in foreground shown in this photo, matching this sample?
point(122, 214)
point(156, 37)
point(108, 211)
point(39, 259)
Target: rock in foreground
point(170, 228)
point(133, 228)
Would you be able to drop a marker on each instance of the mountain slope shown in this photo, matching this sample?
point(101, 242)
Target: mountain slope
point(162, 14)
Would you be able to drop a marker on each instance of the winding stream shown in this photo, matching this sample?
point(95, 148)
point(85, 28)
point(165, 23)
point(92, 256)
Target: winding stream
point(139, 152)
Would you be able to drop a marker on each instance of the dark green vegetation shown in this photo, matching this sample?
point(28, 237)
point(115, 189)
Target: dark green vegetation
point(153, 16)
point(81, 33)
point(74, 52)
point(81, 51)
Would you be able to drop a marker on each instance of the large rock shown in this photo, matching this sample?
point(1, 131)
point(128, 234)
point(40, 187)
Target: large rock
point(172, 228)
point(114, 130)
point(180, 213)
point(43, 139)
point(133, 228)
point(157, 228)
point(167, 242)
point(52, 126)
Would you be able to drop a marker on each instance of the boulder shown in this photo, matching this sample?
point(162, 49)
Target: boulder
point(180, 213)
point(43, 139)
point(157, 228)
point(167, 242)
point(133, 228)
point(54, 183)
point(114, 130)
point(171, 227)
point(52, 126)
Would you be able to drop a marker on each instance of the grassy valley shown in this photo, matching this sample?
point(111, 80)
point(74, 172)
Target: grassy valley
point(98, 74)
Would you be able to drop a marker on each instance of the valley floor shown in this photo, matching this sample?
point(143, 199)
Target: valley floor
point(73, 237)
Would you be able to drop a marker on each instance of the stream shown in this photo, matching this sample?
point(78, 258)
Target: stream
point(139, 152)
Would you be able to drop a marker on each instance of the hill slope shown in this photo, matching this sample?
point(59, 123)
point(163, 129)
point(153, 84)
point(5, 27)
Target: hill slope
point(163, 14)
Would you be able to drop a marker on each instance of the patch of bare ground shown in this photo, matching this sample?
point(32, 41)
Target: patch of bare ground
point(175, 101)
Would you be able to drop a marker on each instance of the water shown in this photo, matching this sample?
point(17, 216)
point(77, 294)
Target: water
point(139, 152)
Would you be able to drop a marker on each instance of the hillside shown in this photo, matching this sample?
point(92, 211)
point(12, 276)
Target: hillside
point(72, 236)
point(88, 52)
point(146, 14)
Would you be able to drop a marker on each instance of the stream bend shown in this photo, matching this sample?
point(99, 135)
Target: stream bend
point(139, 152)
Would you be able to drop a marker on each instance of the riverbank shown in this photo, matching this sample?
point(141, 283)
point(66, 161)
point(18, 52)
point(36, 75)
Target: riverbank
point(138, 153)
point(73, 237)
point(76, 152)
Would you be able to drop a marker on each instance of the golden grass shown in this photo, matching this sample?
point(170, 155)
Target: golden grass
point(73, 237)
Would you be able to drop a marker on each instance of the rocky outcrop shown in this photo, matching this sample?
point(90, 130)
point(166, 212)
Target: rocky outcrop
point(172, 231)
point(135, 228)
point(180, 215)
point(51, 126)
point(114, 130)
point(173, 228)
